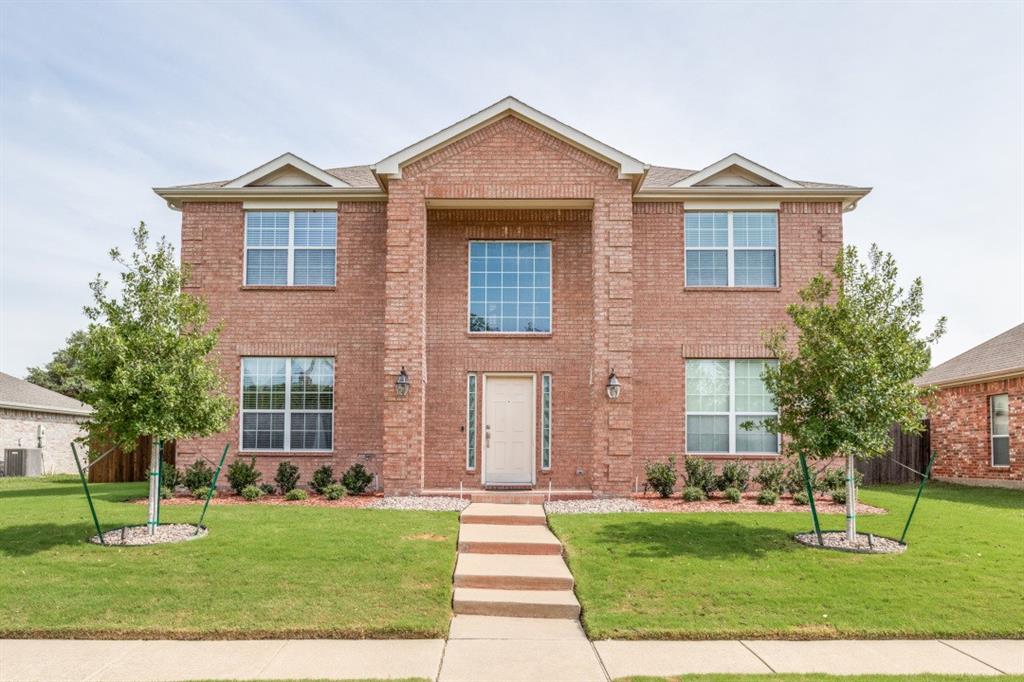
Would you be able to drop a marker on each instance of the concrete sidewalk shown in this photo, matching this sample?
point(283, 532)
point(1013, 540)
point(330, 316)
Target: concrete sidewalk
point(484, 648)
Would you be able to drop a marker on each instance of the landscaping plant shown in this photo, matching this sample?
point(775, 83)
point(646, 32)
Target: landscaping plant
point(661, 476)
point(198, 475)
point(166, 492)
point(700, 473)
point(242, 474)
point(733, 495)
point(322, 477)
point(356, 479)
point(771, 477)
point(296, 495)
point(735, 474)
point(850, 374)
point(767, 497)
point(287, 477)
point(252, 493)
point(839, 496)
point(200, 493)
point(693, 494)
point(171, 476)
point(334, 491)
point(800, 497)
point(268, 488)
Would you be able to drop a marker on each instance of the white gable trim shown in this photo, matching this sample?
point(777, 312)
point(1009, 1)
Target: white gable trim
point(283, 161)
point(740, 162)
point(391, 167)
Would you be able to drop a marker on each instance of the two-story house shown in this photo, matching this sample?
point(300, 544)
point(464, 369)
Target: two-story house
point(508, 303)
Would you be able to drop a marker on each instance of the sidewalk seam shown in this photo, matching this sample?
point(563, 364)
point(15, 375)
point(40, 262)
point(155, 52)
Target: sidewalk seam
point(756, 655)
point(282, 645)
point(444, 649)
point(985, 663)
point(132, 644)
point(600, 661)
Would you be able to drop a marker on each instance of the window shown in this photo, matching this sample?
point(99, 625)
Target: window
point(287, 400)
point(545, 421)
point(721, 395)
point(510, 287)
point(999, 418)
point(731, 248)
point(471, 421)
point(290, 247)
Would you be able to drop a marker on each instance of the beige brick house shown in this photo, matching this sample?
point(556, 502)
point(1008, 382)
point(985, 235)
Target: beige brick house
point(508, 303)
point(36, 418)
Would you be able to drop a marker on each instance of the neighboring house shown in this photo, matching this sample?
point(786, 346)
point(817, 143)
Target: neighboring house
point(977, 421)
point(35, 417)
point(454, 314)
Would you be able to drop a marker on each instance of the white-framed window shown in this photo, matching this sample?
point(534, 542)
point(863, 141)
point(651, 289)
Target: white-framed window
point(287, 403)
point(510, 286)
point(471, 411)
point(545, 421)
point(290, 248)
point(722, 395)
point(999, 419)
point(731, 248)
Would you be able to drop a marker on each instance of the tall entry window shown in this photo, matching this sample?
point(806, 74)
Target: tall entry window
point(722, 395)
point(999, 418)
point(290, 248)
point(510, 287)
point(287, 403)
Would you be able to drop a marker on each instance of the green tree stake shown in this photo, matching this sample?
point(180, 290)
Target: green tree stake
point(213, 486)
point(88, 497)
point(920, 489)
point(810, 498)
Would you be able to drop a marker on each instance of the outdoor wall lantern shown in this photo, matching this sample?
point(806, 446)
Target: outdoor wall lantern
point(402, 384)
point(614, 387)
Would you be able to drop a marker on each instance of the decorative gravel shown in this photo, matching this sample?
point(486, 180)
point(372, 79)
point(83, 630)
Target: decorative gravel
point(139, 535)
point(611, 505)
point(414, 503)
point(864, 544)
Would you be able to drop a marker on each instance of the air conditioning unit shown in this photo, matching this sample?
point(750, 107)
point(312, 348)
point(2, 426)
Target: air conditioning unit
point(23, 462)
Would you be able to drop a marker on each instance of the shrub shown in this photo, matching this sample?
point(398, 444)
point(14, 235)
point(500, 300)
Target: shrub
point(287, 477)
point(835, 479)
point(242, 474)
point(734, 475)
point(322, 477)
point(357, 479)
point(166, 492)
point(767, 497)
point(793, 480)
point(839, 496)
point(662, 476)
point(693, 494)
point(268, 488)
point(800, 497)
point(200, 493)
point(700, 473)
point(198, 475)
point(733, 495)
point(334, 491)
point(252, 492)
point(171, 476)
point(771, 477)
point(296, 495)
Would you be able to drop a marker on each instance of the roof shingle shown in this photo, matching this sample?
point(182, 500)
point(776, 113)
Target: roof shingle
point(1002, 354)
point(20, 394)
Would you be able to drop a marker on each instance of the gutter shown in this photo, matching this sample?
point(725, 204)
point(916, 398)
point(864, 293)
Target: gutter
point(27, 407)
point(976, 378)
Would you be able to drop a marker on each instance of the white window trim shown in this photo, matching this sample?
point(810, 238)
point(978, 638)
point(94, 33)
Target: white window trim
point(472, 384)
point(992, 436)
point(291, 248)
point(731, 250)
point(732, 414)
point(469, 286)
point(546, 379)
point(287, 404)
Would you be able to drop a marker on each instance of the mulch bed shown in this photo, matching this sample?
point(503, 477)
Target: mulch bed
point(863, 544)
point(748, 503)
point(139, 535)
point(314, 500)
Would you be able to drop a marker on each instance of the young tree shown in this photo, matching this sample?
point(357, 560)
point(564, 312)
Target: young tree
point(849, 376)
point(146, 357)
point(63, 373)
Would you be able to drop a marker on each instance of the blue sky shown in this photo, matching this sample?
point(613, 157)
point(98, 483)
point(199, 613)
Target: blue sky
point(100, 102)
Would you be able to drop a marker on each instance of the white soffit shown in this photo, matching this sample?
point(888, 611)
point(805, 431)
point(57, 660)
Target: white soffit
point(286, 170)
point(737, 204)
point(391, 167)
point(741, 167)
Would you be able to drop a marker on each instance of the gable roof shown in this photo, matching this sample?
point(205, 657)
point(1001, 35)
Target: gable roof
point(18, 394)
point(1002, 355)
point(738, 166)
point(283, 163)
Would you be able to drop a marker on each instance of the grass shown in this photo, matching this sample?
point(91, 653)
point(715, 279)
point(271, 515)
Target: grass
point(823, 678)
point(729, 575)
point(262, 572)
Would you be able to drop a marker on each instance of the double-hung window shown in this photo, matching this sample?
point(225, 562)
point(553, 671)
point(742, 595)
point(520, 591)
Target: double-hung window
point(999, 418)
point(510, 287)
point(731, 248)
point(290, 248)
point(722, 395)
point(287, 403)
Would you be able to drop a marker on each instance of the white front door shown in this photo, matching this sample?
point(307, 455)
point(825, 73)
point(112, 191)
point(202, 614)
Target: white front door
point(508, 430)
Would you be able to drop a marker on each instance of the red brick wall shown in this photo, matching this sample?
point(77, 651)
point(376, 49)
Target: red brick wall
point(959, 424)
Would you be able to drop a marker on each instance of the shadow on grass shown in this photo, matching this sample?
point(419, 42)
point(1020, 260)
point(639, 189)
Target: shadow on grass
point(704, 540)
point(19, 541)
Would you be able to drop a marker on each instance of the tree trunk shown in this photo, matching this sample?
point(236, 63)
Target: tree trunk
point(851, 501)
point(154, 485)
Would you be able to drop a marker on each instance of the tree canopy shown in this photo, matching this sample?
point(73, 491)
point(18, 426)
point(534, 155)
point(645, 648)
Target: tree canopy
point(63, 373)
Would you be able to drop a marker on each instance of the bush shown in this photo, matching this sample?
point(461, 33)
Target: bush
point(793, 480)
point(771, 477)
point(322, 477)
point(171, 476)
point(252, 492)
point(800, 497)
point(296, 495)
point(268, 488)
point(733, 495)
point(835, 479)
point(334, 491)
point(357, 479)
point(700, 473)
point(734, 475)
point(198, 475)
point(242, 474)
point(693, 494)
point(200, 493)
point(662, 476)
point(166, 492)
point(767, 497)
point(839, 496)
point(287, 477)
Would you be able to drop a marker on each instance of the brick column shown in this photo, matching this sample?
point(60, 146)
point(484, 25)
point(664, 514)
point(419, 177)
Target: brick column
point(405, 337)
point(613, 339)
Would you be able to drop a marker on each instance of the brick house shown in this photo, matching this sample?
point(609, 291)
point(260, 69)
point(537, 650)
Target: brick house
point(34, 417)
point(976, 423)
point(508, 303)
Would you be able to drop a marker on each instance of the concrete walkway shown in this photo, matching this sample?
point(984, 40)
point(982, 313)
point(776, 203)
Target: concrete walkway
point(482, 648)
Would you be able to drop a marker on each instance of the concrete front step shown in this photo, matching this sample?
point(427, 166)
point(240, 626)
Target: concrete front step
point(512, 572)
point(504, 514)
point(492, 539)
point(517, 603)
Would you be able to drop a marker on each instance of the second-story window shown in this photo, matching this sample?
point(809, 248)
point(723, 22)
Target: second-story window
point(296, 248)
point(510, 287)
point(732, 248)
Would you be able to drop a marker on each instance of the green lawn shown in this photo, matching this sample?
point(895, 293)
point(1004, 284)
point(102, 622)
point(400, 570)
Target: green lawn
point(726, 575)
point(263, 571)
point(824, 678)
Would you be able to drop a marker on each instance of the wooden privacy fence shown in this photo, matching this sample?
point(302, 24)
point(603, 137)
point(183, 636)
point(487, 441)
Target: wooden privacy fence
point(122, 467)
point(910, 450)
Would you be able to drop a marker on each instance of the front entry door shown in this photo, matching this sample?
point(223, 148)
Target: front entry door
point(508, 430)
